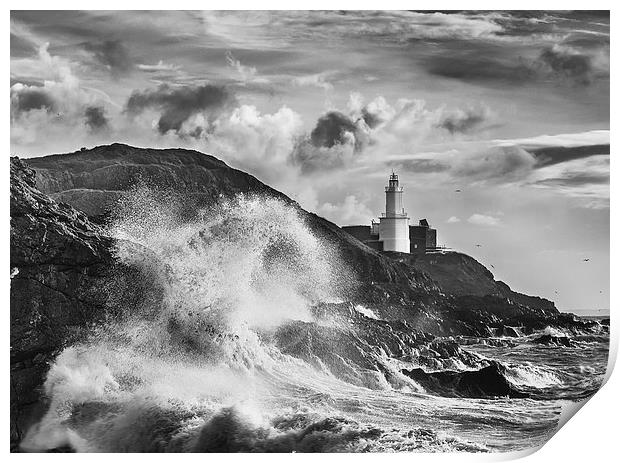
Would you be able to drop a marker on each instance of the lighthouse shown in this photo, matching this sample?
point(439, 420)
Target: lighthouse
point(393, 232)
point(394, 223)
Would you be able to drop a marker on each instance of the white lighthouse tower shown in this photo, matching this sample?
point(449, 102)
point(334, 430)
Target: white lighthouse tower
point(394, 223)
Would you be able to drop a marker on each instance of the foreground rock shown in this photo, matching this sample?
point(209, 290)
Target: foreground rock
point(63, 280)
point(489, 381)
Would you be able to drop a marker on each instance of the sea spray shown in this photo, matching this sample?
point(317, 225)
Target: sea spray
point(243, 264)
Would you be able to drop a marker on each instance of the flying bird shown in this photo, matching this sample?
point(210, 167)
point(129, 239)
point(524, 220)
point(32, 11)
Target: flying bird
point(457, 191)
point(586, 260)
point(478, 245)
point(492, 266)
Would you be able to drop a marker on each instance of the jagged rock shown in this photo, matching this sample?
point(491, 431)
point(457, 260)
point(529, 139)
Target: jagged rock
point(489, 381)
point(63, 279)
point(549, 340)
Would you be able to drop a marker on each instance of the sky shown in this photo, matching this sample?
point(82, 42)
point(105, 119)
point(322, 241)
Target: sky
point(497, 122)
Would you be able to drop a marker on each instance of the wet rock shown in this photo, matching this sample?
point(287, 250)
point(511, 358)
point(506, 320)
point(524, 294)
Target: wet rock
point(489, 381)
point(550, 340)
point(66, 281)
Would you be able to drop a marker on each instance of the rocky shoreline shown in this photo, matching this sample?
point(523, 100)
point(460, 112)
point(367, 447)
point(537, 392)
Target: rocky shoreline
point(65, 280)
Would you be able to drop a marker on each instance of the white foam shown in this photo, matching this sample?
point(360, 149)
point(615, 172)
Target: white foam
point(366, 312)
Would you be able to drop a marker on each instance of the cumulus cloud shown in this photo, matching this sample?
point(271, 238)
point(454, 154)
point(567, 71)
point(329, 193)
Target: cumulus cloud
point(177, 104)
point(58, 109)
point(350, 211)
point(378, 128)
point(333, 128)
point(25, 98)
point(112, 54)
point(333, 142)
point(258, 142)
point(95, 118)
point(310, 158)
point(484, 220)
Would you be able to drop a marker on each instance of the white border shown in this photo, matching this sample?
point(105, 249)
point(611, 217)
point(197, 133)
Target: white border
point(591, 436)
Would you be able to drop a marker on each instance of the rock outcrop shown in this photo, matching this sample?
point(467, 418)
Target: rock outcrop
point(93, 180)
point(458, 274)
point(64, 279)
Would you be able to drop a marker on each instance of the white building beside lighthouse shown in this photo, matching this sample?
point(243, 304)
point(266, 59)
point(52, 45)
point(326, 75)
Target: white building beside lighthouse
point(393, 232)
point(394, 222)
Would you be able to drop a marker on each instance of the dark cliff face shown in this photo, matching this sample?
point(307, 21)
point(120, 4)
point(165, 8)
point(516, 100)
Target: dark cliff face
point(63, 280)
point(57, 259)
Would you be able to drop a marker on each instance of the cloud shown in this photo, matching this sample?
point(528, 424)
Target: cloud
point(178, 104)
point(333, 142)
point(95, 119)
point(26, 98)
point(479, 63)
point(333, 128)
point(501, 64)
point(314, 80)
point(592, 137)
point(571, 179)
point(569, 64)
point(111, 53)
point(557, 154)
point(159, 67)
point(422, 165)
point(453, 219)
point(311, 158)
point(378, 129)
point(484, 220)
point(586, 178)
point(21, 46)
point(257, 142)
point(247, 73)
point(350, 211)
point(502, 164)
point(464, 120)
point(59, 112)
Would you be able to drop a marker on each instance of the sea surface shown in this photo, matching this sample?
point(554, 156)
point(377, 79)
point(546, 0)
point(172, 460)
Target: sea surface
point(233, 358)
